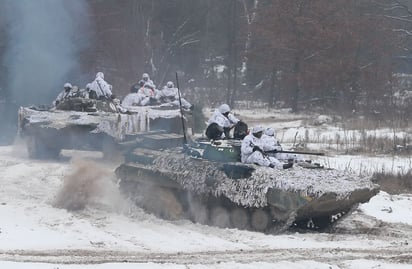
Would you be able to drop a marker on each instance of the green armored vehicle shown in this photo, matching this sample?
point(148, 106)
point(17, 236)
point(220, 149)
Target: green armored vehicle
point(88, 124)
point(206, 183)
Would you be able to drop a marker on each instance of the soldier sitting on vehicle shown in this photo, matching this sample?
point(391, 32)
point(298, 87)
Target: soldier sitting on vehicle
point(271, 145)
point(133, 98)
point(148, 81)
point(100, 89)
point(252, 151)
point(82, 93)
point(148, 95)
point(73, 98)
point(66, 93)
point(170, 95)
point(221, 122)
point(135, 87)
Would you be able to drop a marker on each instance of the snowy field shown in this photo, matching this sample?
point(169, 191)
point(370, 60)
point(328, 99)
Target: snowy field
point(112, 233)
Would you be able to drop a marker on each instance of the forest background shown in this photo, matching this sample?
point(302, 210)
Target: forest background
point(337, 56)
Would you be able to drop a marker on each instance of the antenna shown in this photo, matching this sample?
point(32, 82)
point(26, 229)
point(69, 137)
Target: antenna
point(181, 111)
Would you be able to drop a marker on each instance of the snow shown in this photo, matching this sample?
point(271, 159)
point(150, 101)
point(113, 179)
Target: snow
point(116, 125)
point(390, 208)
point(367, 165)
point(111, 232)
point(253, 191)
point(355, 264)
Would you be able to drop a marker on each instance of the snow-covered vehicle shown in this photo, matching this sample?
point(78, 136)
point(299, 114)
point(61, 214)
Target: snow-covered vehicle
point(206, 183)
point(87, 124)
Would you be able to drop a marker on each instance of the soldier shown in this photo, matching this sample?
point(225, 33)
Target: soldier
point(221, 122)
point(137, 86)
point(148, 95)
point(100, 89)
point(170, 95)
point(252, 151)
point(66, 93)
point(270, 143)
point(133, 98)
point(148, 81)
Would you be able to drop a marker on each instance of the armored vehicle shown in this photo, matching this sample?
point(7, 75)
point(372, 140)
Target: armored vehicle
point(205, 182)
point(87, 124)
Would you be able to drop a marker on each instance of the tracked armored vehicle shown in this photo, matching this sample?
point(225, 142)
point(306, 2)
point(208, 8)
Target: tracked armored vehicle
point(206, 183)
point(87, 124)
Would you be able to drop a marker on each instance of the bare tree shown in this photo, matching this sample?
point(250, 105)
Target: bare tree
point(334, 52)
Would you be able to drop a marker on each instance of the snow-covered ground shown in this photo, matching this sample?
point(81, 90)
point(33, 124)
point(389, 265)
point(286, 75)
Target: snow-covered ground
point(111, 232)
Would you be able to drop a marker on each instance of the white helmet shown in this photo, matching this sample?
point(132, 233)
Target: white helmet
point(170, 84)
point(145, 76)
point(224, 108)
point(67, 85)
point(257, 129)
point(100, 75)
point(270, 131)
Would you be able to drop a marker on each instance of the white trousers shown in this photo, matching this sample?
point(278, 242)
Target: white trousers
point(185, 103)
point(258, 158)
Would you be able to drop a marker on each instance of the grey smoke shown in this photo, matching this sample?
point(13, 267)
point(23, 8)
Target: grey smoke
point(45, 38)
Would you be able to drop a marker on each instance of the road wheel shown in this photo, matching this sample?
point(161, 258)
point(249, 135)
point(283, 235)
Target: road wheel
point(219, 217)
point(260, 220)
point(322, 222)
point(279, 214)
point(239, 218)
point(163, 203)
point(198, 212)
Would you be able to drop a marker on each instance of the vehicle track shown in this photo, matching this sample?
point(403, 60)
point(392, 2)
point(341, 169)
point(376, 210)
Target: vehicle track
point(327, 255)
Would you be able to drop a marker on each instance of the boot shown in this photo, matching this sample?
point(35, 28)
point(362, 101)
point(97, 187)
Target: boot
point(287, 165)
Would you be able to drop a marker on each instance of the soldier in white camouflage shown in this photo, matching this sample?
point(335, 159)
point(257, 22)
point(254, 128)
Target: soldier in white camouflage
point(252, 151)
point(66, 93)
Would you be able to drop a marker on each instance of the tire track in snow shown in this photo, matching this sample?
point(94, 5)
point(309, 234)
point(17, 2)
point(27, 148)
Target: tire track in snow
point(327, 255)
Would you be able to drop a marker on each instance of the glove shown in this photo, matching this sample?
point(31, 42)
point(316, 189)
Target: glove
point(256, 148)
point(271, 165)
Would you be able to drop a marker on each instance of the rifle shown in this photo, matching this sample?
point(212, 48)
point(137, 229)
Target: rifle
point(181, 111)
point(296, 152)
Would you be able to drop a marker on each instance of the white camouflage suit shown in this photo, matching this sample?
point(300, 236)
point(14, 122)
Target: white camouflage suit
point(100, 86)
point(221, 120)
point(256, 157)
point(132, 99)
point(148, 82)
point(271, 143)
point(146, 93)
point(169, 94)
point(64, 94)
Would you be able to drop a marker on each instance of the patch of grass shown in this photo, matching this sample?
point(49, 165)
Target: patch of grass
point(394, 184)
point(359, 139)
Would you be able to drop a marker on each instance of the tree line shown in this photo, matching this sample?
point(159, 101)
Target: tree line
point(306, 54)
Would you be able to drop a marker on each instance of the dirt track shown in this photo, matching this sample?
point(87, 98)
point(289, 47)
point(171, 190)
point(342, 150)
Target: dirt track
point(327, 255)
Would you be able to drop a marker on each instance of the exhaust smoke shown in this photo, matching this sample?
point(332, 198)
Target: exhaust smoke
point(44, 40)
